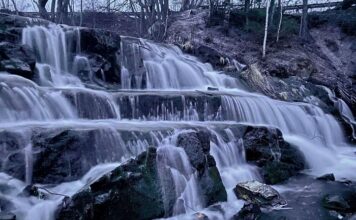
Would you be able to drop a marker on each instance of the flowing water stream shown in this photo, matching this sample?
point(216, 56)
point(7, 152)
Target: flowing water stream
point(177, 83)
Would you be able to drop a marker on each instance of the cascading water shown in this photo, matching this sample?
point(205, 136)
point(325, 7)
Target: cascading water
point(173, 85)
point(303, 125)
point(174, 160)
point(54, 46)
point(21, 99)
point(166, 67)
point(230, 159)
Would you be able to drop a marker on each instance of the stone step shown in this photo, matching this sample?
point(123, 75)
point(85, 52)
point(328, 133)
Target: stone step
point(54, 152)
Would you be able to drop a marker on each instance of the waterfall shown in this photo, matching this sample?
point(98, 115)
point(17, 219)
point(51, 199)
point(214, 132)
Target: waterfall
point(164, 93)
point(175, 160)
point(166, 67)
point(304, 125)
point(231, 162)
point(54, 47)
point(21, 99)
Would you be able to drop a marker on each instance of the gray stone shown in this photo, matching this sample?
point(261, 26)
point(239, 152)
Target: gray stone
point(258, 193)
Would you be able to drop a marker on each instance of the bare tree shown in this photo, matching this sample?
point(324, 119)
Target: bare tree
point(190, 4)
point(81, 13)
point(15, 6)
point(246, 9)
point(42, 8)
point(108, 5)
point(3, 4)
point(53, 10)
point(303, 32)
point(62, 10)
point(280, 18)
point(266, 30)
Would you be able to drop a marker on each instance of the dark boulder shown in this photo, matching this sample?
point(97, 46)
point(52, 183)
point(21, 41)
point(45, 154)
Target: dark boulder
point(103, 69)
point(103, 49)
point(6, 205)
point(209, 55)
point(344, 202)
point(258, 193)
point(197, 147)
point(11, 27)
point(132, 47)
point(335, 202)
point(61, 156)
point(193, 147)
point(12, 154)
point(250, 211)
point(17, 59)
point(327, 177)
point(277, 159)
point(7, 216)
point(131, 191)
point(99, 41)
point(33, 190)
point(347, 4)
point(212, 186)
point(200, 216)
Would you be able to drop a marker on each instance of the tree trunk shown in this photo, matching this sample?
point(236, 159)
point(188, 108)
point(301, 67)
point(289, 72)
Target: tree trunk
point(53, 10)
point(42, 8)
point(280, 18)
point(273, 7)
point(266, 31)
point(185, 5)
point(15, 6)
point(3, 4)
point(108, 5)
point(62, 10)
point(81, 13)
point(303, 33)
point(246, 9)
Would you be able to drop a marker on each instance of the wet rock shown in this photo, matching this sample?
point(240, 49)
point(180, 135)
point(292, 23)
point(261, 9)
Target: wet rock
point(99, 41)
point(11, 27)
point(212, 186)
point(6, 204)
point(11, 154)
point(335, 202)
point(131, 191)
point(30, 190)
point(209, 55)
point(213, 89)
point(258, 193)
point(343, 202)
point(62, 156)
point(17, 59)
point(327, 177)
point(131, 47)
point(197, 147)
point(200, 216)
point(33, 190)
point(277, 159)
point(7, 216)
point(250, 211)
point(103, 69)
point(192, 145)
point(103, 48)
point(345, 181)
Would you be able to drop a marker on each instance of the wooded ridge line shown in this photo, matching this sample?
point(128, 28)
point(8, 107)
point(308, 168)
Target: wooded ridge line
point(291, 7)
